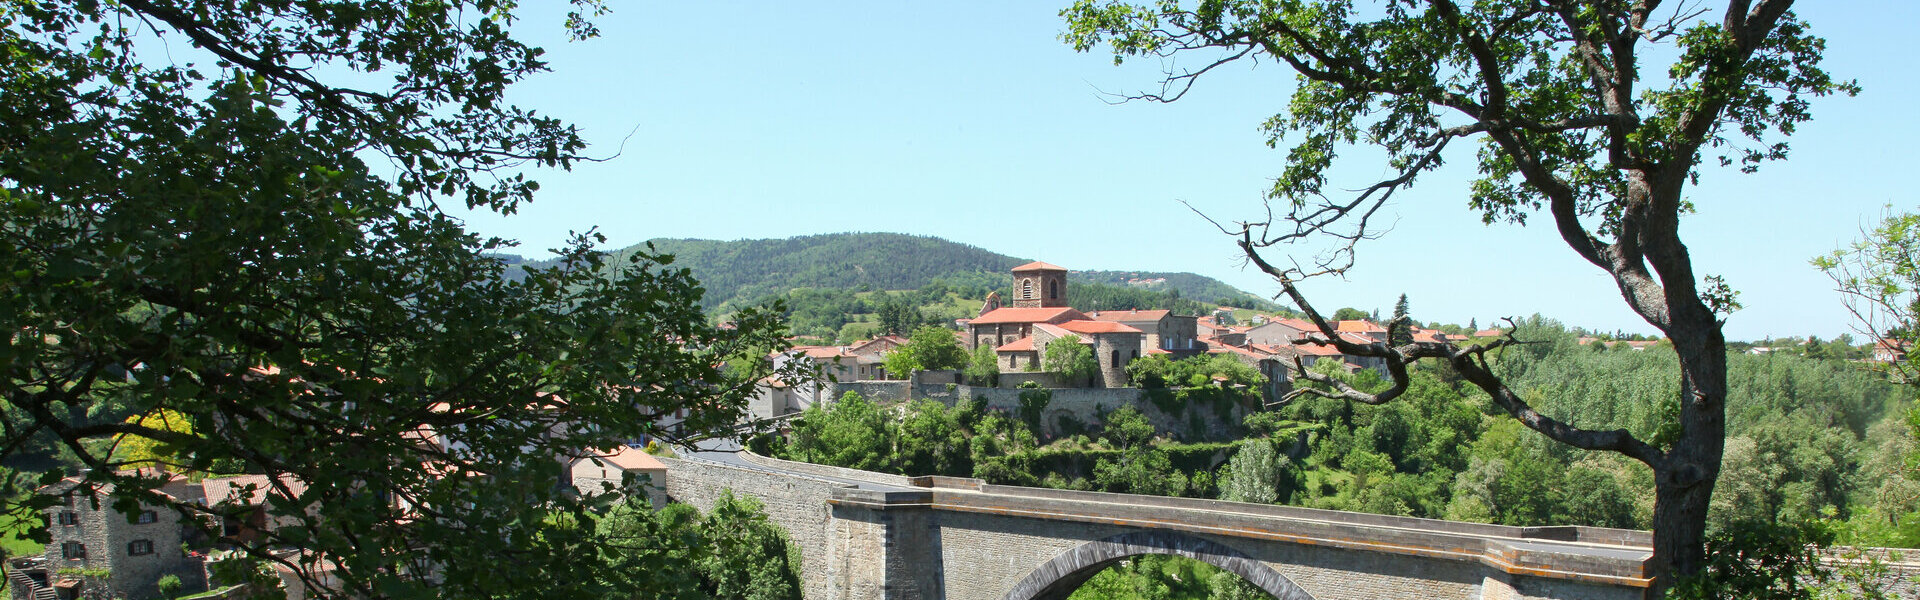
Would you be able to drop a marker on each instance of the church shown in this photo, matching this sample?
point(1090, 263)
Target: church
point(1039, 314)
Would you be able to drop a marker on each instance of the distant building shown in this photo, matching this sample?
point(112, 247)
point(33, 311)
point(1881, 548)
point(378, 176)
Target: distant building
point(607, 471)
point(135, 549)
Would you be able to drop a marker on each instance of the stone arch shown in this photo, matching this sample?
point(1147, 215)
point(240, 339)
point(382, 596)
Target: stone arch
point(1059, 577)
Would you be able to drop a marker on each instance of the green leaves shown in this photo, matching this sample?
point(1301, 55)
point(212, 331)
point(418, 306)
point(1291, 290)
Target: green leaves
point(208, 247)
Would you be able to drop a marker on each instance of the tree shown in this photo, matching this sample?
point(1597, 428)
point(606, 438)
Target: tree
point(1879, 281)
point(1073, 360)
point(192, 226)
point(929, 348)
point(898, 316)
point(1554, 93)
point(1400, 329)
point(984, 366)
point(1349, 314)
point(1253, 475)
point(851, 432)
point(733, 552)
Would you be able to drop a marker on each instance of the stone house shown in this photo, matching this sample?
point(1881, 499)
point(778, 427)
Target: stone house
point(135, 549)
point(1019, 334)
point(1162, 329)
point(1280, 332)
point(607, 471)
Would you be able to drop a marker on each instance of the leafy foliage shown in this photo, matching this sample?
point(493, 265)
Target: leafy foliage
point(202, 236)
point(1569, 127)
point(983, 366)
point(1073, 360)
point(1166, 577)
point(733, 552)
point(1158, 370)
point(929, 348)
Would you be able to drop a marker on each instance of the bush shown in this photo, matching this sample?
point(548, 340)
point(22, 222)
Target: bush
point(170, 586)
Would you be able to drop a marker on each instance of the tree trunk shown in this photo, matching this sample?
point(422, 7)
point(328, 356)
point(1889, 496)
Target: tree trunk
point(1683, 485)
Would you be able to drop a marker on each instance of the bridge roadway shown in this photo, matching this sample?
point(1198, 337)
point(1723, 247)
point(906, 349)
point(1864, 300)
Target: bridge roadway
point(730, 453)
point(874, 535)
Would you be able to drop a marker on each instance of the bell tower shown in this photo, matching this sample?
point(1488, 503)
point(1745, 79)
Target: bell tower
point(1039, 285)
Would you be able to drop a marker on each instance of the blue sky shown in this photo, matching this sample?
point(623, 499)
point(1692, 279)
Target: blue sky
point(972, 122)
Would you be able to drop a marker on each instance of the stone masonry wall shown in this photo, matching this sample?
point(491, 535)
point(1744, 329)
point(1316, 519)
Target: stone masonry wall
point(106, 535)
point(797, 503)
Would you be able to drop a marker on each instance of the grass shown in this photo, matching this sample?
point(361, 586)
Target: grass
point(13, 543)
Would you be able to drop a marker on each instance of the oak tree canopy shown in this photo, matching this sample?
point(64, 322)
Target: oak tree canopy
point(231, 212)
point(1573, 123)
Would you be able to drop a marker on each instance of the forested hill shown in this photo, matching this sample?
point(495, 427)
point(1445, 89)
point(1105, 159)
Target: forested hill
point(746, 270)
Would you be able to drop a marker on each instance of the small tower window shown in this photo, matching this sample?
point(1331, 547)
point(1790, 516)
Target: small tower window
point(1116, 358)
point(1026, 289)
point(1053, 289)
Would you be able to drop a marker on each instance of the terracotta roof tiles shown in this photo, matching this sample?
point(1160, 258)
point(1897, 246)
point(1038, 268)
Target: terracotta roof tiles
point(1038, 266)
point(1052, 314)
point(1093, 327)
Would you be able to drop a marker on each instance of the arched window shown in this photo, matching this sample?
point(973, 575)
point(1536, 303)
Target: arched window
point(1053, 289)
point(1116, 358)
point(1026, 289)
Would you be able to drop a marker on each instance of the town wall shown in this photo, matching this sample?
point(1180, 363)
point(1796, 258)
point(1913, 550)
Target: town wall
point(1071, 409)
point(795, 502)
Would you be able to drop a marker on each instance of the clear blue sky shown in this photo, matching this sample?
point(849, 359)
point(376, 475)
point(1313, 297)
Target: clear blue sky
point(972, 122)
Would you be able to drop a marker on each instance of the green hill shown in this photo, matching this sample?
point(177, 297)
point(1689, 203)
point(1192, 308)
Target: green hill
point(743, 271)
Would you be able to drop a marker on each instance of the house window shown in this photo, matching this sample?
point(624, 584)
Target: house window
point(139, 547)
point(73, 550)
point(67, 517)
point(146, 516)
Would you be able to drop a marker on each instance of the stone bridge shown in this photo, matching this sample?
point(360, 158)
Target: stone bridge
point(867, 535)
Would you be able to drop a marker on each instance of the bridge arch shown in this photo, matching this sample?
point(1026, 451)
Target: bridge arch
point(1057, 578)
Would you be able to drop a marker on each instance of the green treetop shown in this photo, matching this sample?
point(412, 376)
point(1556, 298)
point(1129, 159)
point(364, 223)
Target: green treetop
point(192, 227)
point(929, 348)
point(1571, 123)
point(1073, 360)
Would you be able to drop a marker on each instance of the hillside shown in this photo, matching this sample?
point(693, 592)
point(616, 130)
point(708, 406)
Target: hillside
point(739, 272)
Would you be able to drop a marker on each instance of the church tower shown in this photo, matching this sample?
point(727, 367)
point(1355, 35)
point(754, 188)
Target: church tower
point(1039, 285)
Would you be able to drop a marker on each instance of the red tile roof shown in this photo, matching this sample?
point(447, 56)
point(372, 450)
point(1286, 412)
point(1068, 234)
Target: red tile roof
point(1358, 326)
point(1091, 327)
point(1490, 332)
point(1038, 266)
point(1317, 350)
point(1024, 344)
point(632, 459)
point(1052, 314)
point(1130, 316)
